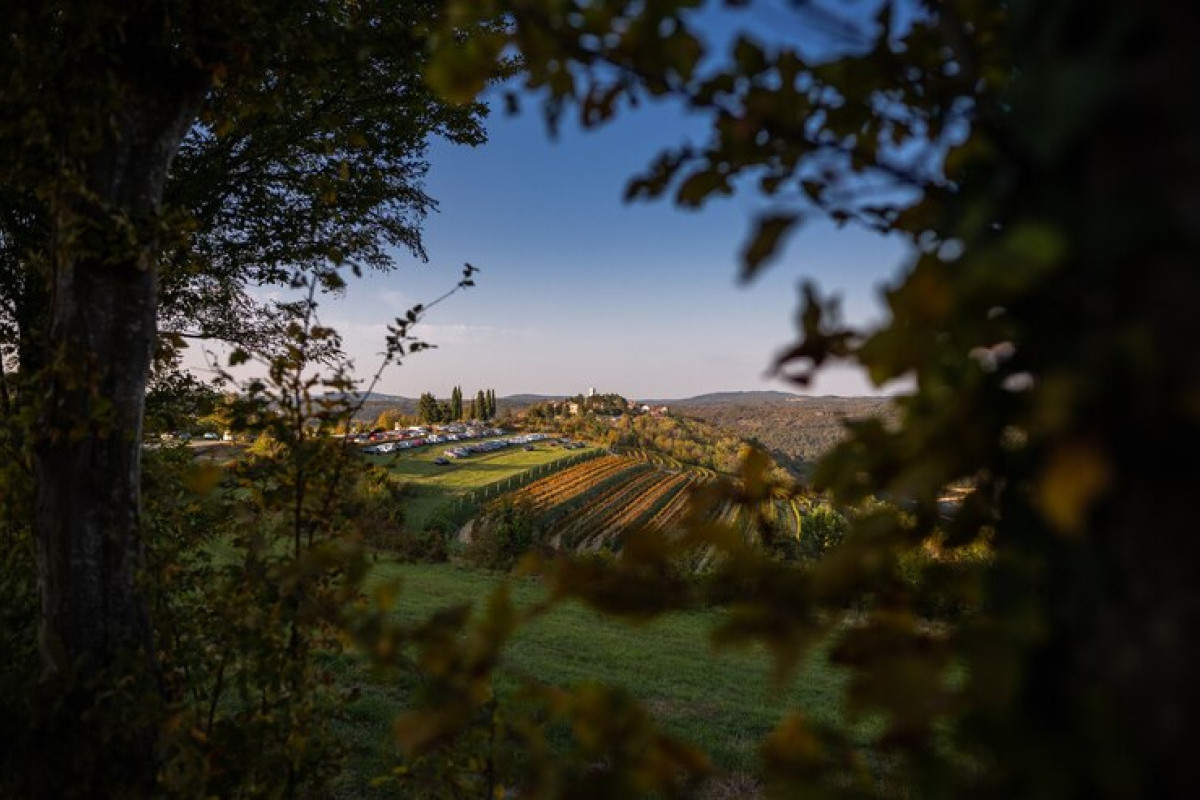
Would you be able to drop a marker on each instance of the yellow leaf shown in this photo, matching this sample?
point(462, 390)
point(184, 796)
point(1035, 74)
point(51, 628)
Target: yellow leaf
point(756, 465)
point(202, 478)
point(1075, 475)
point(416, 731)
point(927, 292)
point(792, 742)
point(385, 596)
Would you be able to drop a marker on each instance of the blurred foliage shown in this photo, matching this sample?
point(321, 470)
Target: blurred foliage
point(159, 159)
point(251, 566)
point(1041, 159)
point(245, 563)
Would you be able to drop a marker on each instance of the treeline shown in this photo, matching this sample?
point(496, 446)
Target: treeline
point(430, 410)
point(795, 433)
point(689, 441)
point(610, 404)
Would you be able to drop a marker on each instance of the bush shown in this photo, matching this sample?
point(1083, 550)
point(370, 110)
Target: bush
point(821, 529)
point(944, 585)
point(379, 508)
point(425, 546)
point(501, 535)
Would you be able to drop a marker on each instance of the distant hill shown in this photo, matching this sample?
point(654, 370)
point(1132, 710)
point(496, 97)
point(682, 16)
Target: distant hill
point(380, 397)
point(729, 398)
point(375, 397)
point(376, 404)
point(524, 400)
point(796, 429)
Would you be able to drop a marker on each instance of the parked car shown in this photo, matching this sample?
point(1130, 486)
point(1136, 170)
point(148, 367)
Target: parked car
point(441, 462)
point(210, 436)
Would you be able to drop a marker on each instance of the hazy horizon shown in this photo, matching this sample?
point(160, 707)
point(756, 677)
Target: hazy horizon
point(469, 394)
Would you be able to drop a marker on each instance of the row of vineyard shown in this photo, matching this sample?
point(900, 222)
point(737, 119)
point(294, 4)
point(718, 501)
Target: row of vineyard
point(561, 487)
point(588, 506)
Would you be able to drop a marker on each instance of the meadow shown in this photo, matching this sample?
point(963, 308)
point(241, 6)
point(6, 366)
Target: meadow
point(723, 701)
point(433, 486)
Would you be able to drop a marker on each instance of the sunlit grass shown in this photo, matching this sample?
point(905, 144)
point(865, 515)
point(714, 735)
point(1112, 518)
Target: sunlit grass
point(433, 485)
point(471, 472)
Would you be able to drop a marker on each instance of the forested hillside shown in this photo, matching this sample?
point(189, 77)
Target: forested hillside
point(795, 430)
point(693, 442)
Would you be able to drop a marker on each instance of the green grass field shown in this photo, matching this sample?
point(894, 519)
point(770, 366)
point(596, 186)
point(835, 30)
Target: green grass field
point(433, 485)
point(723, 701)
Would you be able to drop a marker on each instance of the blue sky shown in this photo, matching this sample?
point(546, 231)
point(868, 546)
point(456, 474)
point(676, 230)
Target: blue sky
point(579, 289)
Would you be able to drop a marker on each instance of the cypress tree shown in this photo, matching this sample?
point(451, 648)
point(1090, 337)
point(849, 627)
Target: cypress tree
point(427, 409)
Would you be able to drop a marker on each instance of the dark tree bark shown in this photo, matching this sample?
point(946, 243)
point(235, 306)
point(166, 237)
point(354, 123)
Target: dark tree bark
point(87, 448)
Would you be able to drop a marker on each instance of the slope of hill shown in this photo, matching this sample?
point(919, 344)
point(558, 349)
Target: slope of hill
point(689, 441)
point(590, 507)
point(728, 398)
point(796, 430)
point(522, 400)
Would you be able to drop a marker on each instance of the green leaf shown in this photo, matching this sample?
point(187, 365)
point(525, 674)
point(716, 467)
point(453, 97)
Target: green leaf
point(769, 233)
point(699, 185)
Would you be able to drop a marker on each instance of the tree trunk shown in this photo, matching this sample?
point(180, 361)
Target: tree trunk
point(87, 446)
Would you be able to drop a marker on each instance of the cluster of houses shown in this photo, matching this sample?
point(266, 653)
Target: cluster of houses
point(407, 438)
point(575, 408)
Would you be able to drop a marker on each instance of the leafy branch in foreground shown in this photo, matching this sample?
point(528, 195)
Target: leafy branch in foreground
point(1040, 159)
point(251, 562)
point(158, 158)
